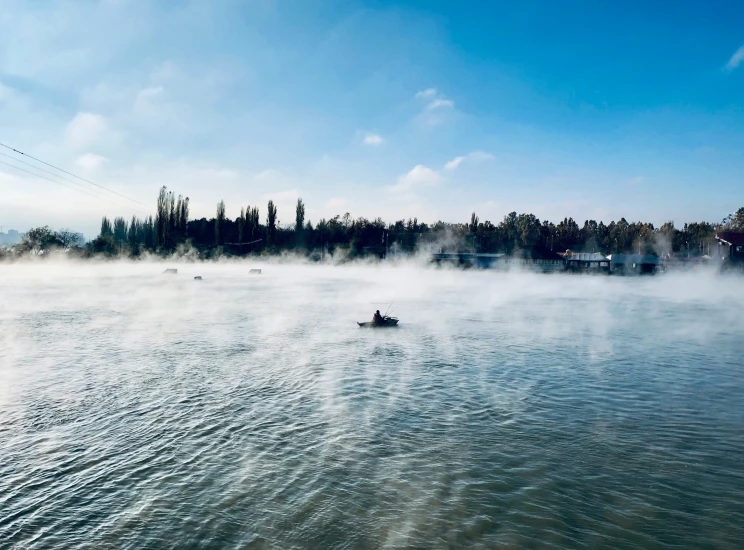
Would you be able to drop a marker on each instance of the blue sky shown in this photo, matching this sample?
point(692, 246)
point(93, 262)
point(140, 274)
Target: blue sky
point(397, 109)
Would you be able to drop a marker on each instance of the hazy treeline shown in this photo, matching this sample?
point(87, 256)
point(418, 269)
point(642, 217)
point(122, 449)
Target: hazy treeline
point(39, 239)
point(171, 230)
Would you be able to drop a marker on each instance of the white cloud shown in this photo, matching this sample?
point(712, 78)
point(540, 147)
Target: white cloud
point(150, 92)
point(736, 59)
point(373, 139)
point(7, 177)
point(6, 93)
point(85, 129)
point(145, 103)
point(480, 156)
point(282, 196)
point(440, 103)
point(437, 107)
point(90, 162)
point(337, 204)
point(271, 177)
point(475, 156)
point(454, 163)
point(419, 176)
point(285, 202)
point(426, 94)
point(224, 173)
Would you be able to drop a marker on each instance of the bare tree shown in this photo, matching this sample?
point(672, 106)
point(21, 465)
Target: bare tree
point(39, 239)
point(69, 238)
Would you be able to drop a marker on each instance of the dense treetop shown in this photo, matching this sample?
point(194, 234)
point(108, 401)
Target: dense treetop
point(171, 230)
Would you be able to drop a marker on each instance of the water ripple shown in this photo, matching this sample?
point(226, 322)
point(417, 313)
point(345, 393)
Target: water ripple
point(505, 411)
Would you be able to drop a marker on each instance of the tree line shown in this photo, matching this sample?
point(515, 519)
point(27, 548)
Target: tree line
point(171, 230)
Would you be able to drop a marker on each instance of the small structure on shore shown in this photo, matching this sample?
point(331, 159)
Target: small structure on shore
point(533, 258)
point(732, 244)
point(255, 272)
point(170, 271)
point(466, 259)
point(586, 261)
point(633, 264)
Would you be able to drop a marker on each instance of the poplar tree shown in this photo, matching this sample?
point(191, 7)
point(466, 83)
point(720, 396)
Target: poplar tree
point(219, 221)
point(106, 227)
point(270, 222)
point(241, 225)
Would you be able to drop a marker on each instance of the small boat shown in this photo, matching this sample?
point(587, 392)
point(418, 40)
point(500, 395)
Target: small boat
point(387, 322)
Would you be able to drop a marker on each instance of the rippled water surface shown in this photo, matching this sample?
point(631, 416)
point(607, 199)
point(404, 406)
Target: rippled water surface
point(140, 410)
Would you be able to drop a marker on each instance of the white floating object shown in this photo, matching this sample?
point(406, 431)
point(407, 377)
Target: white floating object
point(170, 271)
point(255, 272)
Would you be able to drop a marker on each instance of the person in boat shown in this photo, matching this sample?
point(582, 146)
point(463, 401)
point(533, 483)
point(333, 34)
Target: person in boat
point(377, 318)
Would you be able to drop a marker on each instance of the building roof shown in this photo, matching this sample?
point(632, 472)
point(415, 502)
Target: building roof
point(536, 252)
point(586, 257)
point(463, 255)
point(633, 259)
point(731, 237)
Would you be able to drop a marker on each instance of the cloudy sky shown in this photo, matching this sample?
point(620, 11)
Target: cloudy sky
point(392, 109)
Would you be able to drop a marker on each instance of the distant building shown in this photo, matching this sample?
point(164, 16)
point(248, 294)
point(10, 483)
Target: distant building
point(12, 237)
point(467, 259)
point(732, 244)
point(633, 264)
point(528, 258)
point(586, 261)
point(537, 258)
point(680, 262)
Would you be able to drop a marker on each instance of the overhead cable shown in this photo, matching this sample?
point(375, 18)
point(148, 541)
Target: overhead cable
point(71, 174)
point(51, 173)
point(68, 186)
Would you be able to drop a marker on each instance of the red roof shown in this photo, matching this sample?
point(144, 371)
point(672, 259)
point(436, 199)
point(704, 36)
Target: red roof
point(731, 237)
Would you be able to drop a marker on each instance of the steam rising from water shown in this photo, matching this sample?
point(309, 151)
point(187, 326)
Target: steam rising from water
point(143, 409)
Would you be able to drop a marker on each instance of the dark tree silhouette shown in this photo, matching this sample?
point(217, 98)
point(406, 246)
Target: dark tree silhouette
point(514, 234)
point(299, 222)
point(270, 222)
point(39, 239)
point(219, 222)
point(68, 239)
point(106, 227)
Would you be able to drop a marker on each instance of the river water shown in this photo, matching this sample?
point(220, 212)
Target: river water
point(141, 410)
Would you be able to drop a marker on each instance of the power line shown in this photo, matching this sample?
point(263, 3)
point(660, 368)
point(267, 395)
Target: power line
point(55, 175)
point(48, 179)
point(62, 184)
point(71, 174)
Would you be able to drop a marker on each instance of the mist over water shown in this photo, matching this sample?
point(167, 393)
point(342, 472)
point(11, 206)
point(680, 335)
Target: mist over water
point(144, 410)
